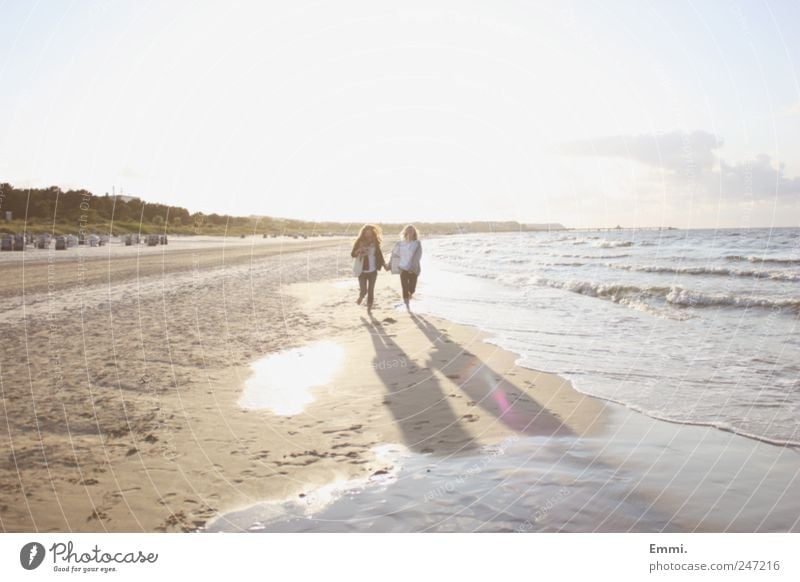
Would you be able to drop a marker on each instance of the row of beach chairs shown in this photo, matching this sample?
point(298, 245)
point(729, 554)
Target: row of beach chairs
point(18, 242)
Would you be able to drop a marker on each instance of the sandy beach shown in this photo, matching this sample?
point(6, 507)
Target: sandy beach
point(123, 380)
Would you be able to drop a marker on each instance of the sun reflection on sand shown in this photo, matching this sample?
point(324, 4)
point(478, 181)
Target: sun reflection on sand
point(282, 382)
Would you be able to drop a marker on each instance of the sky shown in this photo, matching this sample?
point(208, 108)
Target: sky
point(587, 113)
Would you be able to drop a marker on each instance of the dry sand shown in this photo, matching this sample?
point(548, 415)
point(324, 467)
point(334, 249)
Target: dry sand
point(120, 378)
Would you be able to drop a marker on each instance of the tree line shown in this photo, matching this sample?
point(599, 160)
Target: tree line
point(45, 209)
point(58, 206)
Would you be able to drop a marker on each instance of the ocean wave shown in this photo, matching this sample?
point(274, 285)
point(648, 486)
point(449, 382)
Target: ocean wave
point(773, 260)
point(619, 256)
point(579, 240)
point(510, 261)
point(686, 298)
point(673, 295)
point(612, 244)
point(718, 425)
point(628, 295)
point(603, 290)
point(717, 271)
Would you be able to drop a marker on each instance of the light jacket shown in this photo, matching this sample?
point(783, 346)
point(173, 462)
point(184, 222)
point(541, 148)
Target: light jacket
point(414, 264)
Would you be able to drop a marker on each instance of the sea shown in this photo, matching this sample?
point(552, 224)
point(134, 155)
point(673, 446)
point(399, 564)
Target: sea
point(690, 326)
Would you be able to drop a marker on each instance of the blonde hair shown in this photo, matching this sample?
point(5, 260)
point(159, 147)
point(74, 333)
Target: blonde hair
point(409, 232)
point(376, 232)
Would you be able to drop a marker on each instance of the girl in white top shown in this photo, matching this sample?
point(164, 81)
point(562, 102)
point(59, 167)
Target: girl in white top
point(406, 257)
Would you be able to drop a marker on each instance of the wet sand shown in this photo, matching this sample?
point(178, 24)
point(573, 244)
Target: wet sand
point(464, 440)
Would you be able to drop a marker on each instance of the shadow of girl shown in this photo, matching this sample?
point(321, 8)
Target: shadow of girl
point(487, 388)
point(416, 400)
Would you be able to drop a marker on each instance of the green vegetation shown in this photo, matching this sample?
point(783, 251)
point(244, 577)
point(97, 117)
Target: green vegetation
point(58, 212)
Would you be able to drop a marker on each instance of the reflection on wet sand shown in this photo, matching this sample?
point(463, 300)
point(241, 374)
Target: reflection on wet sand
point(282, 382)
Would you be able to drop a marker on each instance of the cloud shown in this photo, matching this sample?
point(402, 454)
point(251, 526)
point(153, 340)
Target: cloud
point(673, 151)
point(689, 161)
point(757, 179)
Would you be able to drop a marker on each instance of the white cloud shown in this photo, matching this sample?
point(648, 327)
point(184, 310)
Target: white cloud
point(689, 162)
point(673, 151)
point(757, 179)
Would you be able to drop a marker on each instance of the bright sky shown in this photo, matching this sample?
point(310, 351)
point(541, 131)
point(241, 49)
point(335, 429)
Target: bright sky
point(586, 113)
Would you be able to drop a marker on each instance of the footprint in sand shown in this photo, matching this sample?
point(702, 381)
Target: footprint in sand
point(97, 514)
point(355, 427)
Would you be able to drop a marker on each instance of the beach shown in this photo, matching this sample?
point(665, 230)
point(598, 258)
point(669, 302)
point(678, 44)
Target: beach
point(133, 400)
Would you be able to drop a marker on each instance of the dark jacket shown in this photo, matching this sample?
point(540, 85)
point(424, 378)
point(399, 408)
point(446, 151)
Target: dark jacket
point(380, 262)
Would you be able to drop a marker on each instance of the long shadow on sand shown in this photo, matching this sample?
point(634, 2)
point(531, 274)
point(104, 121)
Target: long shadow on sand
point(487, 388)
point(420, 408)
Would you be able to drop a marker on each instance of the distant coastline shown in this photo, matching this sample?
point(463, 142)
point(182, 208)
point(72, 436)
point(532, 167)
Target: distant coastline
point(55, 211)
